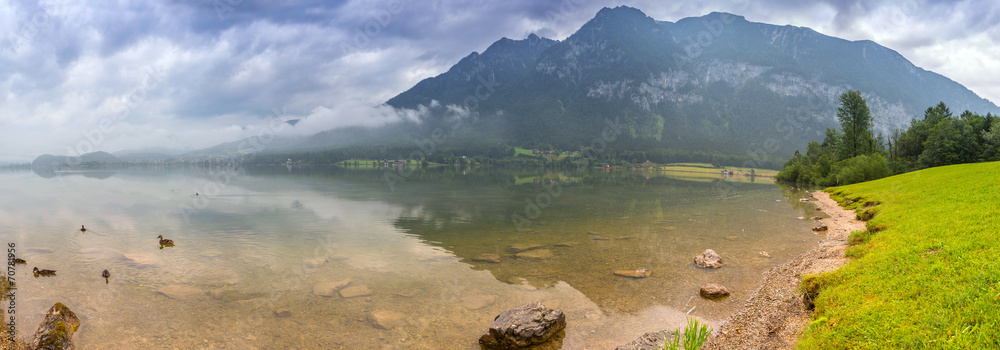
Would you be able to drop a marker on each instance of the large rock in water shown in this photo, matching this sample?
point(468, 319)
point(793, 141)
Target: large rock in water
point(525, 326)
point(709, 259)
point(56, 330)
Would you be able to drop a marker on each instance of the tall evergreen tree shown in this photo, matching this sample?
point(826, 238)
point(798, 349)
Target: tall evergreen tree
point(856, 123)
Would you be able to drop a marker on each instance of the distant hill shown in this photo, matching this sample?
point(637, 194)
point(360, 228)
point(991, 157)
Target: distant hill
point(93, 158)
point(715, 83)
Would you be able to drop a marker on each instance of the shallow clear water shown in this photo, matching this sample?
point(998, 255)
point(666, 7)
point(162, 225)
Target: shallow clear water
point(256, 241)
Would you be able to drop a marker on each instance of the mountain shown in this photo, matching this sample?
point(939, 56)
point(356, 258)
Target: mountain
point(716, 84)
point(93, 158)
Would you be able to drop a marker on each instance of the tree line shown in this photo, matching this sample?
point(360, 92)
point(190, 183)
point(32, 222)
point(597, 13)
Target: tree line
point(855, 154)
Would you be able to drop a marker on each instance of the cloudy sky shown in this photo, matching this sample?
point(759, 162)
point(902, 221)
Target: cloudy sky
point(80, 75)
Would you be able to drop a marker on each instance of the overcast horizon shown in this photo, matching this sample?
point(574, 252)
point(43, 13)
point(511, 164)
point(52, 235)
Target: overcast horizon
point(190, 74)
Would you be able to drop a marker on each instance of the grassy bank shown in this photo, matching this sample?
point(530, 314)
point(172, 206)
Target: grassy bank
point(926, 273)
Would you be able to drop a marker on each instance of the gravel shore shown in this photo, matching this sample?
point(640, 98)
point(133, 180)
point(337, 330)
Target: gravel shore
point(774, 316)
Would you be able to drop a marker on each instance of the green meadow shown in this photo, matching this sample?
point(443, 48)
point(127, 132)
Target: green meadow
point(925, 274)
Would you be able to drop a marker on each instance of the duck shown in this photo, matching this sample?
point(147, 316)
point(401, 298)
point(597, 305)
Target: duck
point(19, 261)
point(44, 272)
point(105, 274)
point(164, 240)
point(83, 229)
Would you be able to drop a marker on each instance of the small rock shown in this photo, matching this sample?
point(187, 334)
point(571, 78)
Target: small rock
point(180, 291)
point(764, 254)
point(355, 291)
point(56, 330)
point(600, 238)
point(525, 326)
point(282, 313)
point(537, 254)
point(819, 209)
point(476, 302)
point(490, 258)
point(641, 273)
point(329, 289)
point(713, 291)
point(521, 247)
point(709, 259)
point(732, 238)
point(820, 228)
point(386, 319)
point(801, 218)
point(803, 199)
point(648, 341)
point(817, 218)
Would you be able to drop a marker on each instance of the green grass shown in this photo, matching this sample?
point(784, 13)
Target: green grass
point(927, 273)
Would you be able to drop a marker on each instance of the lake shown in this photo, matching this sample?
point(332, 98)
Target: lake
point(328, 258)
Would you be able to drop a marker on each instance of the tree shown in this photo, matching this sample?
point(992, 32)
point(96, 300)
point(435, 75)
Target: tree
point(856, 123)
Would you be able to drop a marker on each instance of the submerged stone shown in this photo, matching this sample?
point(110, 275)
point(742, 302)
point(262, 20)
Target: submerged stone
point(709, 259)
point(329, 289)
point(641, 273)
point(140, 260)
point(383, 319)
point(355, 291)
point(521, 247)
point(490, 258)
point(180, 291)
point(537, 254)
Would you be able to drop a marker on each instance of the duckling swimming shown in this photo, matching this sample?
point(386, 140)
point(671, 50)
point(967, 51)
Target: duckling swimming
point(19, 261)
point(83, 229)
point(44, 272)
point(165, 241)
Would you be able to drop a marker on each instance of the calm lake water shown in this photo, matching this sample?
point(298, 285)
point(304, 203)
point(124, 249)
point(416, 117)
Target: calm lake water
point(256, 242)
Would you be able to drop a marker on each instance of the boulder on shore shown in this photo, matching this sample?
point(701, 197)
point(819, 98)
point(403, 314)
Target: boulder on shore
point(713, 291)
point(820, 228)
point(56, 330)
point(525, 326)
point(709, 259)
